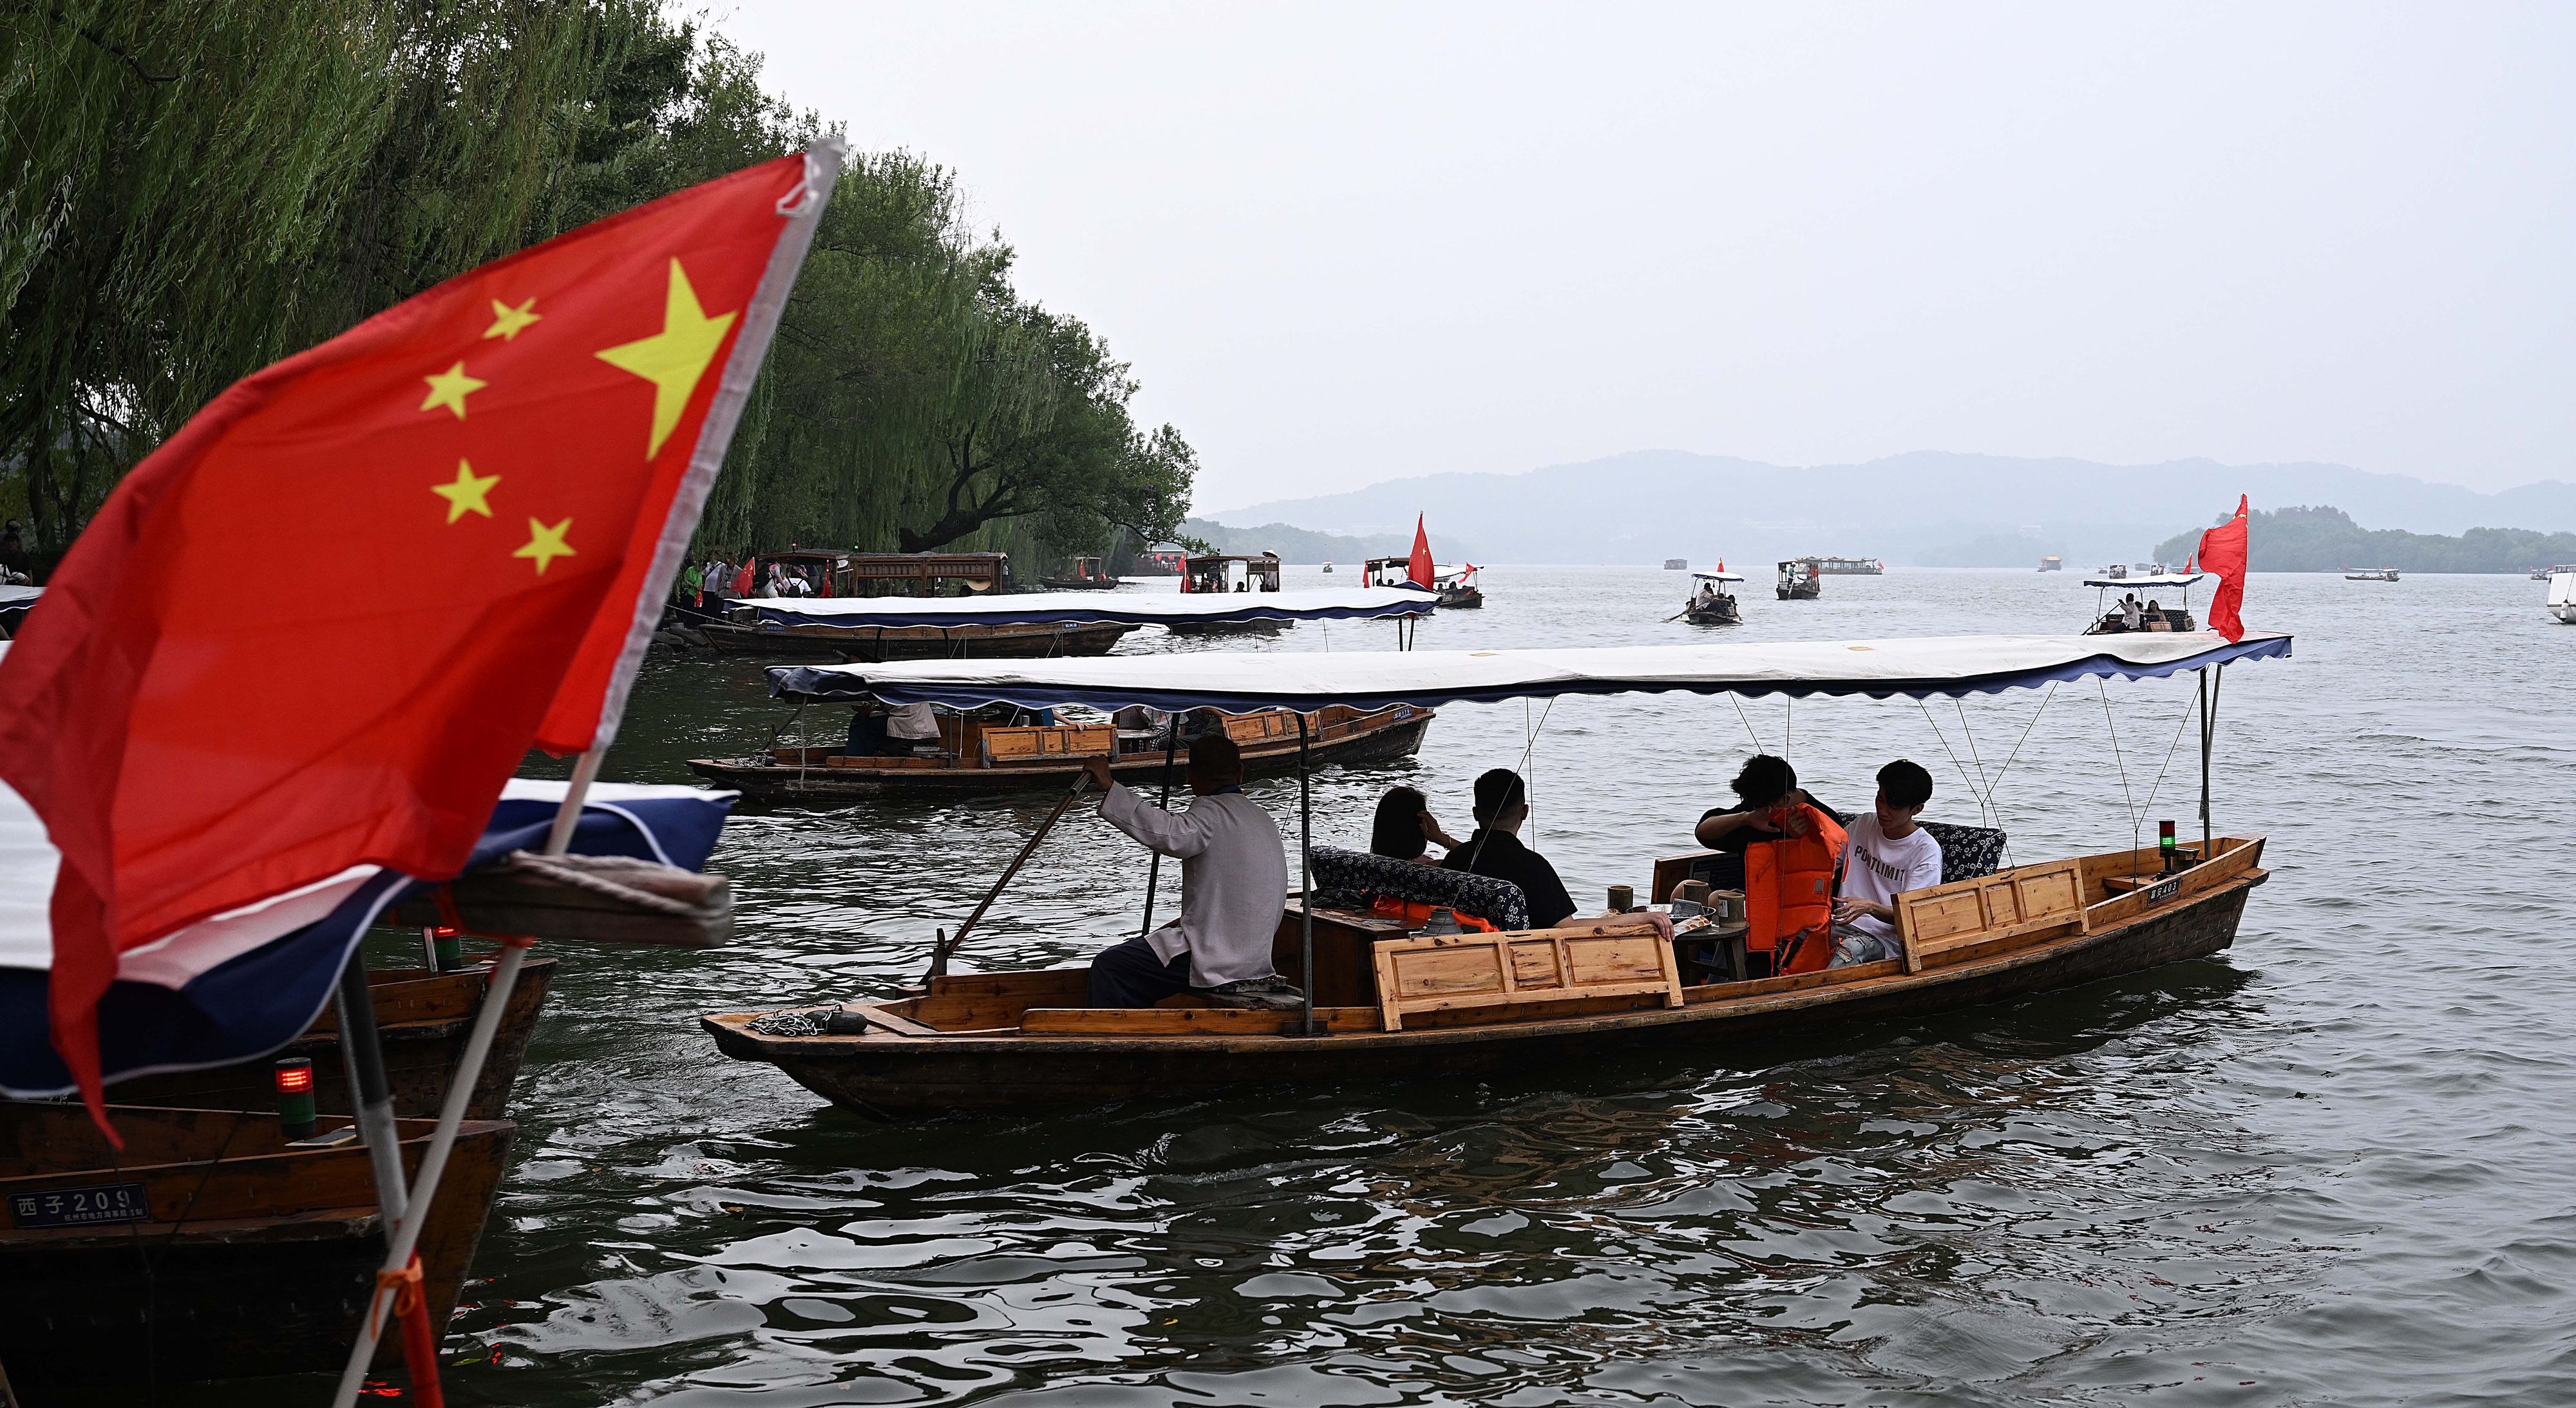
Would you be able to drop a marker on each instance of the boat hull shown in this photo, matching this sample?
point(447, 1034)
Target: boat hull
point(1713, 616)
point(879, 645)
point(786, 784)
point(422, 1021)
point(274, 1283)
point(936, 1075)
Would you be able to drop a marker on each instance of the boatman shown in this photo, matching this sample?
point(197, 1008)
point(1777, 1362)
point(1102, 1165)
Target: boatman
point(1234, 881)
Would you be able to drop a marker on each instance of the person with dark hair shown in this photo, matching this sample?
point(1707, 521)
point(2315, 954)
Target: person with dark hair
point(1404, 824)
point(1885, 855)
point(1234, 883)
point(1494, 849)
point(1767, 802)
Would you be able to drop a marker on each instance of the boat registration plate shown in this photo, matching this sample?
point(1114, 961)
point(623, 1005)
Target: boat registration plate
point(75, 1207)
point(2164, 890)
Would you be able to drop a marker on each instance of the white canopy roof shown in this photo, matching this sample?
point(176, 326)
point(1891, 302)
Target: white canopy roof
point(1241, 683)
point(19, 596)
point(1716, 577)
point(2165, 579)
point(1091, 608)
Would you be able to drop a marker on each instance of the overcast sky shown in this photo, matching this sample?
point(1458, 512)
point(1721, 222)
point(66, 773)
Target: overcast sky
point(1346, 244)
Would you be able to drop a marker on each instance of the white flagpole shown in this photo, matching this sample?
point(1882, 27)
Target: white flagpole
point(802, 208)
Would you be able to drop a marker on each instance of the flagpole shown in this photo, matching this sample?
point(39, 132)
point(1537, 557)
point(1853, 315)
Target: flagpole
point(569, 812)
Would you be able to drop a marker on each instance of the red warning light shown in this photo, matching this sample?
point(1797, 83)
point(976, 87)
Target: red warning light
point(443, 932)
point(294, 1079)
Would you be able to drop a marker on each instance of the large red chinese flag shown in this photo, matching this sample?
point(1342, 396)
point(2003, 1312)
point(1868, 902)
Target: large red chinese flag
point(2222, 553)
point(1418, 571)
point(321, 625)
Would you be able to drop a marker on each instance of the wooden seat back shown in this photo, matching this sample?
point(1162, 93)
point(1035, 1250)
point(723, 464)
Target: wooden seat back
point(1007, 747)
point(1268, 726)
point(2026, 902)
point(1523, 968)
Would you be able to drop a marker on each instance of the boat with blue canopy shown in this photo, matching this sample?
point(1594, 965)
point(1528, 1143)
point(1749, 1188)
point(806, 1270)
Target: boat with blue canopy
point(1380, 1001)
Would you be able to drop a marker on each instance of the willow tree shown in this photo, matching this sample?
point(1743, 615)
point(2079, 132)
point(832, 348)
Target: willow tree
point(196, 188)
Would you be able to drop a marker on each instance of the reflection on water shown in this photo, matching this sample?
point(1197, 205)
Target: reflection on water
point(2325, 1166)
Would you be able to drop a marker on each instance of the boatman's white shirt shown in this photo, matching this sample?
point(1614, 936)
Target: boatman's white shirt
point(1234, 880)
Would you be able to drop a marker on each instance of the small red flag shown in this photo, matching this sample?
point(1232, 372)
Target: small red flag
point(1418, 571)
point(742, 580)
point(487, 490)
point(2222, 554)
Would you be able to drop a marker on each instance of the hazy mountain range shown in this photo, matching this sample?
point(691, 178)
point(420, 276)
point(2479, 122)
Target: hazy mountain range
point(1928, 509)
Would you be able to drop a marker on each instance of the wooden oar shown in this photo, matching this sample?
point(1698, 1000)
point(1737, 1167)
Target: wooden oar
point(946, 945)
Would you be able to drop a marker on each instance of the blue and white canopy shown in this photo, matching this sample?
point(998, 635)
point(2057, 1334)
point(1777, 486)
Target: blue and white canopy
point(1242, 683)
point(242, 984)
point(1096, 608)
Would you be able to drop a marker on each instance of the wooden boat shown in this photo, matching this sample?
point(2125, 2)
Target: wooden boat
point(2371, 574)
point(878, 644)
point(2110, 621)
point(1711, 604)
point(422, 1019)
point(1799, 581)
point(1477, 1005)
point(983, 757)
point(1089, 574)
point(1228, 574)
point(210, 1248)
point(1458, 590)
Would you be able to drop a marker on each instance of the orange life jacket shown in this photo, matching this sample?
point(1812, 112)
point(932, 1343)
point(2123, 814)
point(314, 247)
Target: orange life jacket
point(1789, 895)
point(1417, 915)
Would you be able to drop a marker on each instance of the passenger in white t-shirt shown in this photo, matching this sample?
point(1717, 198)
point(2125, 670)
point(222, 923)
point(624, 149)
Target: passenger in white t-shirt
point(1884, 855)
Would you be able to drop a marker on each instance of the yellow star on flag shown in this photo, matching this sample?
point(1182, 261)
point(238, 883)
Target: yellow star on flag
point(674, 358)
point(469, 494)
point(546, 544)
point(509, 322)
point(450, 388)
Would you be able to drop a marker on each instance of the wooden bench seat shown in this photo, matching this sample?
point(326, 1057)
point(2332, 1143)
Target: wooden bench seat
point(1535, 969)
point(1969, 918)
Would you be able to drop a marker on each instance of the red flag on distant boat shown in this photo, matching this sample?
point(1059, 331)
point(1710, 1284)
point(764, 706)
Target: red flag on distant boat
point(489, 489)
point(1418, 571)
point(2222, 554)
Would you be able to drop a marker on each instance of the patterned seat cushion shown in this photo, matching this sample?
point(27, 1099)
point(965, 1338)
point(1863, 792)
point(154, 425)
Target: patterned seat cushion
point(1360, 875)
point(1966, 851)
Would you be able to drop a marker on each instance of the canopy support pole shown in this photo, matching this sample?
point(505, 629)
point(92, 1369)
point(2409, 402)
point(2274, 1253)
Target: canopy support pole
point(403, 1239)
point(1306, 874)
point(1154, 868)
point(2208, 743)
point(370, 1098)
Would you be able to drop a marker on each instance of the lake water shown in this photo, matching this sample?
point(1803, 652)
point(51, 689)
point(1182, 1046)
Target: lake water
point(2329, 1165)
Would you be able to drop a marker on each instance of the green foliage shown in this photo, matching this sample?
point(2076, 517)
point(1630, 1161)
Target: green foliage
point(200, 187)
point(2325, 539)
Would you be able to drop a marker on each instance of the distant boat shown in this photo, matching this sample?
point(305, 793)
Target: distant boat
point(2109, 620)
point(1328, 564)
point(1711, 604)
point(2052, 563)
point(2371, 574)
point(1677, 564)
point(2562, 595)
point(1799, 580)
point(1848, 566)
point(2543, 574)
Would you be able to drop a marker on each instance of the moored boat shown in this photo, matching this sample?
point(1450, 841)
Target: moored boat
point(1382, 1004)
point(422, 1019)
point(976, 755)
point(211, 1247)
point(1081, 574)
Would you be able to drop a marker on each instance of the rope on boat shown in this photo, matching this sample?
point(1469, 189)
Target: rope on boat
point(809, 1021)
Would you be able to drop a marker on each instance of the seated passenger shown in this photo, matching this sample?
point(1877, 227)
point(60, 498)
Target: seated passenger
point(1493, 849)
point(1785, 845)
point(2129, 612)
point(1234, 881)
point(913, 728)
point(1885, 855)
point(868, 731)
point(1404, 825)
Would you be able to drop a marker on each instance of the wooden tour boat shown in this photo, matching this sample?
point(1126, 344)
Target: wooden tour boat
point(1711, 604)
point(970, 640)
point(1081, 574)
point(1382, 1004)
point(211, 1248)
point(421, 1021)
point(1799, 580)
point(979, 756)
point(1392, 1007)
point(2109, 620)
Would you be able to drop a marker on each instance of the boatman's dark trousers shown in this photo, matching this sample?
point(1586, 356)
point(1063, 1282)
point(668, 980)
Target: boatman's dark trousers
point(1129, 975)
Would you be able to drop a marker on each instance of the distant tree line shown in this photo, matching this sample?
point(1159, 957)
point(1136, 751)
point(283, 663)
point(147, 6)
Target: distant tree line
point(196, 190)
point(2325, 539)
